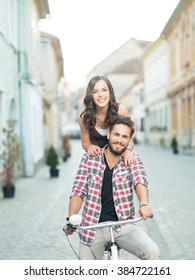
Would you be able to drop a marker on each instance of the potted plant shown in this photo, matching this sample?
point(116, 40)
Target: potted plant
point(52, 160)
point(174, 145)
point(10, 158)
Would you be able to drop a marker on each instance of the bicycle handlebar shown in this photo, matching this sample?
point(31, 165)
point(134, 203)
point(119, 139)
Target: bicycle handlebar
point(110, 224)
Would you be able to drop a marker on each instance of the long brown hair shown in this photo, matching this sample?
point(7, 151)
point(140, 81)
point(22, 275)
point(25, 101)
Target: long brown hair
point(88, 115)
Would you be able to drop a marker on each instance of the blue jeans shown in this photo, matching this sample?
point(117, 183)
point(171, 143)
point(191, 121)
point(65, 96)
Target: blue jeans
point(130, 237)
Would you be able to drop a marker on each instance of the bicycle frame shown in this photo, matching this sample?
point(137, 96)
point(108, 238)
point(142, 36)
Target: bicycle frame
point(114, 250)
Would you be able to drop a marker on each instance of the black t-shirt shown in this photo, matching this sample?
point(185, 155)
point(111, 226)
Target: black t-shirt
point(108, 212)
point(97, 139)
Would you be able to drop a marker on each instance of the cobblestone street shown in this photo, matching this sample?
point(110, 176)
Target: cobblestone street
point(31, 223)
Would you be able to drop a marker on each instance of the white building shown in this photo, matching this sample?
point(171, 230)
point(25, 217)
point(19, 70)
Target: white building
point(31, 83)
point(138, 108)
point(20, 76)
point(9, 101)
point(54, 96)
point(155, 67)
point(122, 66)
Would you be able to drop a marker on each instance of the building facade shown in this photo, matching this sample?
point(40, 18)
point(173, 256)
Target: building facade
point(155, 69)
point(180, 35)
point(54, 96)
point(9, 92)
point(22, 79)
point(30, 83)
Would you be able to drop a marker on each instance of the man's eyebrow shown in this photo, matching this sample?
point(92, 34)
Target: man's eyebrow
point(124, 135)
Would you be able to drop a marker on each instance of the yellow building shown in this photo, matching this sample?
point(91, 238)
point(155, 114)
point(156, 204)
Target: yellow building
point(180, 35)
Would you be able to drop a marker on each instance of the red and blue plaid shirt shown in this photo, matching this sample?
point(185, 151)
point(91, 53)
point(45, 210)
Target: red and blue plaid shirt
point(88, 183)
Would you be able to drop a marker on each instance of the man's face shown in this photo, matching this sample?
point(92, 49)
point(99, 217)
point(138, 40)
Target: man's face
point(119, 138)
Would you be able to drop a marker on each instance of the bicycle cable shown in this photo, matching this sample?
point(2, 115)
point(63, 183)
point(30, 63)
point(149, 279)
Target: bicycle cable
point(74, 249)
point(72, 246)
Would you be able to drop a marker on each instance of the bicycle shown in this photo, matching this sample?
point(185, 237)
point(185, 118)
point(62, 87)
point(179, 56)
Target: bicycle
point(112, 248)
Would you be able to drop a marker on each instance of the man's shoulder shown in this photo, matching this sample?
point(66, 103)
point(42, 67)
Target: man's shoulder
point(91, 158)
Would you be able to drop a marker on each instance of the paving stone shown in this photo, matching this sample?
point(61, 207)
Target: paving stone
point(31, 223)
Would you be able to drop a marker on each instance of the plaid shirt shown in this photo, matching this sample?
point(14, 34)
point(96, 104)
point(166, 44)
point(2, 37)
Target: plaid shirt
point(88, 183)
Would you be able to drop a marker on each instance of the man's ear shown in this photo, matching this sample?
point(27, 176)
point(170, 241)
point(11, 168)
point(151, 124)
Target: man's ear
point(108, 135)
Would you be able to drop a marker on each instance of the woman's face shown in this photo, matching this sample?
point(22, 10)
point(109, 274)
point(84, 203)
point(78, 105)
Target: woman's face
point(101, 94)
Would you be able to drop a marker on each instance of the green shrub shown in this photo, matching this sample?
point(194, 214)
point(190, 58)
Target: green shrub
point(174, 143)
point(52, 157)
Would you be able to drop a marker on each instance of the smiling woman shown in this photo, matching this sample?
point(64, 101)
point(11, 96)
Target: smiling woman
point(100, 107)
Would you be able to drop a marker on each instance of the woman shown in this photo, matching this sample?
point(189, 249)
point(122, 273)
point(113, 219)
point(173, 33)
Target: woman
point(100, 107)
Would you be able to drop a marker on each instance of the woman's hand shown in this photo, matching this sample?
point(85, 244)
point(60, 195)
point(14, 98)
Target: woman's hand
point(94, 150)
point(128, 157)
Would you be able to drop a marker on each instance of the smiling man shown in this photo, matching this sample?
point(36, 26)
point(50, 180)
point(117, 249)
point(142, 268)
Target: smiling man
point(105, 188)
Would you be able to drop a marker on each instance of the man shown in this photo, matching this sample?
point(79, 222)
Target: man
point(104, 187)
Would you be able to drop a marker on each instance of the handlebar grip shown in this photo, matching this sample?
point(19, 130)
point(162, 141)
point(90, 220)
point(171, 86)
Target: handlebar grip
point(75, 219)
point(70, 227)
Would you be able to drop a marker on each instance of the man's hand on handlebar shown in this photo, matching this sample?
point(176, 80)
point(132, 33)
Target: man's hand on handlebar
point(72, 222)
point(69, 229)
point(145, 211)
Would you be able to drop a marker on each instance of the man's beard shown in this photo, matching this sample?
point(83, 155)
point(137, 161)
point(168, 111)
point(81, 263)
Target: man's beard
point(117, 153)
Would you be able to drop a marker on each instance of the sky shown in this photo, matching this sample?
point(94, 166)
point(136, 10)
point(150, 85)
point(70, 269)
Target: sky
point(90, 30)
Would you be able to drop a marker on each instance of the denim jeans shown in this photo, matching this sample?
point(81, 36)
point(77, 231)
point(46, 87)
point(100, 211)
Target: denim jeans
point(130, 237)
